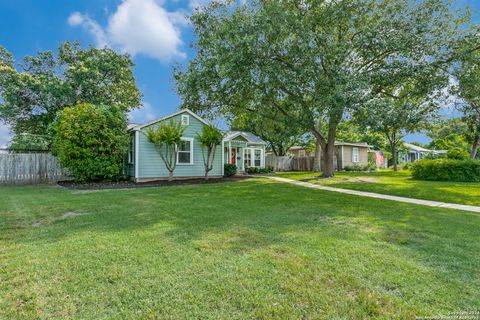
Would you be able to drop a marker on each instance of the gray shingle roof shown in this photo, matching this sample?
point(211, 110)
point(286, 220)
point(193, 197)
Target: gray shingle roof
point(247, 135)
point(415, 148)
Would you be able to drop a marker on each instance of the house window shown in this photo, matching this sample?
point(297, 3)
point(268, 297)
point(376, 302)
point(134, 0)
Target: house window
point(355, 155)
point(258, 158)
point(131, 149)
point(301, 153)
point(252, 157)
point(185, 120)
point(247, 158)
point(185, 151)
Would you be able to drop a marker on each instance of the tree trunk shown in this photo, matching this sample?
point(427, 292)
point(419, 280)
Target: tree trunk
point(394, 156)
point(170, 175)
point(476, 145)
point(328, 167)
point(206, 175)
point(318, 155)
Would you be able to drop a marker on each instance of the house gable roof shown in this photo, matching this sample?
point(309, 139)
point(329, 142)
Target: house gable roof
point(337, 143)
point(250, 137)
point(415, 147)
point(139, 127)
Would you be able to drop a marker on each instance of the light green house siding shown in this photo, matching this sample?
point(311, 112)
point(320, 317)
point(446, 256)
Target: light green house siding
point(240, 144)
point(150, 165)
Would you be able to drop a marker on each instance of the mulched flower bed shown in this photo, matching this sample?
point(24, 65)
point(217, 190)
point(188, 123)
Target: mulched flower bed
point(126, 184)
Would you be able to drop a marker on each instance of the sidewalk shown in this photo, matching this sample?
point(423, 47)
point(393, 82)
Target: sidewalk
point(379, 196)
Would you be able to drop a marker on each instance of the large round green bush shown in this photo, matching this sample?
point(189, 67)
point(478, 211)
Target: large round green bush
point(91, 141)
point(446, 170)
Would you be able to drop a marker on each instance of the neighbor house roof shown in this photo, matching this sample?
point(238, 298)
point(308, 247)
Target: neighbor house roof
point(250, 137)
point(132, 125)
point(338, 143)
point(141, 126)
point(415, 147)
point(353, 144)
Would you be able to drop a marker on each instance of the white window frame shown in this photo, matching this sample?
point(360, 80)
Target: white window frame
point(185, 120)
point(191, 153)
point(355, 155)
point(251, 163)
point(131, 149)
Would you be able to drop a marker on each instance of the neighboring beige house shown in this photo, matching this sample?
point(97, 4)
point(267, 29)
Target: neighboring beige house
point(346, 154)
point(351, 154)
point(297, 151)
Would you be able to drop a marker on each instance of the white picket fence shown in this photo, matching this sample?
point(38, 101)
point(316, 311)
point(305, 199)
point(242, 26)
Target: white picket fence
point(30, 168)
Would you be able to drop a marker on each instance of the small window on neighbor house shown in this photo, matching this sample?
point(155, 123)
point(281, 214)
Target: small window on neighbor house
point(185, 151)
point(131, 149)
point(301, 153)
point(185, 120)
point(355, 155)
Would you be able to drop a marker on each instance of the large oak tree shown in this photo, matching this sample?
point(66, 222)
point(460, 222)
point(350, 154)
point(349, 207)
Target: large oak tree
point(314, 61)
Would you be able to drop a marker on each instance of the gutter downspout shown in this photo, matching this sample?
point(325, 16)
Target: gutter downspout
point(137, 148)
point(223, 158)
point(342, 159)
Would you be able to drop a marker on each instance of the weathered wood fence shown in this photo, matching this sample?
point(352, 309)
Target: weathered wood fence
point(289, 163)
point(30, 168)
point(279, 163)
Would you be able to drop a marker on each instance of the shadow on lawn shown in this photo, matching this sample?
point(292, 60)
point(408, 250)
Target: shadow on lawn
point(246, 216)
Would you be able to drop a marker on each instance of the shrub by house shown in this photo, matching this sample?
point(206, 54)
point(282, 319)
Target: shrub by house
point(91, 141)
point(446, 170)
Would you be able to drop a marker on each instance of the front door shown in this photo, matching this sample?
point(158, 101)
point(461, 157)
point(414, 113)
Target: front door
point(233, 156)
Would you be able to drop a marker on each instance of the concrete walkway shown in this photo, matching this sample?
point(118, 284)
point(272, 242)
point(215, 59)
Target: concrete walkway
point(379, 196)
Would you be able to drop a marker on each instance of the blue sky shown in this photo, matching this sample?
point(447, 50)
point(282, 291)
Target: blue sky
point(154, 32)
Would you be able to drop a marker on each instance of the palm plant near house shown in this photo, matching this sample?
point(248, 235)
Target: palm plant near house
point(166, 139)
point(209, 139)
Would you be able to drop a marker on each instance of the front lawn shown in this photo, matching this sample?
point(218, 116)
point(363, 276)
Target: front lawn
point(247, 249)
point(398, 183)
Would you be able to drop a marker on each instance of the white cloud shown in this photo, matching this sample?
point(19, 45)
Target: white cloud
point(144, 114)
point(138, 27)
point(4, 136)
point(78, 19)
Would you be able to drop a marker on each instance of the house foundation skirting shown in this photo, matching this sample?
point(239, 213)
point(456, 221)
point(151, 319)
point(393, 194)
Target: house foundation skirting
point(139, 180)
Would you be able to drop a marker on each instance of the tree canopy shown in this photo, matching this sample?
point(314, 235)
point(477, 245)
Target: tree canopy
point(42, 85)
point(468, 76)
point(166, 138)
point(317, 61)
point(275, 130)
point(209, 138)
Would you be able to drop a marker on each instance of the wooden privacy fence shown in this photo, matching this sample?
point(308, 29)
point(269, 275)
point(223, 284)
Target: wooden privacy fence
point(289, 163)
point(279, 163)
point(30, 168)
point(302, 163)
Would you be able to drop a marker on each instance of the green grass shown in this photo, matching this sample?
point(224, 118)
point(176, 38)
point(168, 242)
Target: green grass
point(397, 183)
point(248, 249)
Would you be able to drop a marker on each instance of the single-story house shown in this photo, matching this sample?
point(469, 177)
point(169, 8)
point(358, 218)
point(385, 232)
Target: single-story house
point(351, 154)
point(413, 153)
point(346, 153)
point(243, 149)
